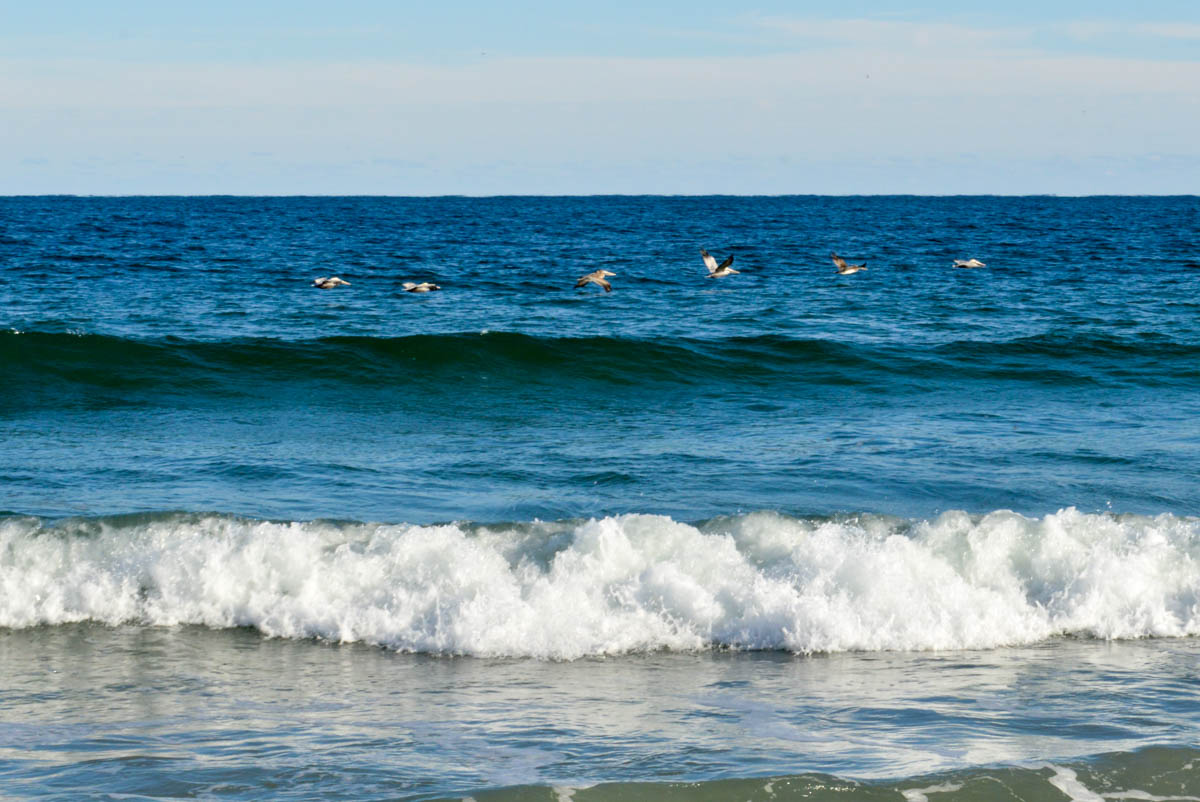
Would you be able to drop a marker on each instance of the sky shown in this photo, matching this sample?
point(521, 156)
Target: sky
point(523, 97)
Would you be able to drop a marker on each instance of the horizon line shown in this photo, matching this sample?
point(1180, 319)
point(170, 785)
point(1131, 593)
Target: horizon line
point(608, 195)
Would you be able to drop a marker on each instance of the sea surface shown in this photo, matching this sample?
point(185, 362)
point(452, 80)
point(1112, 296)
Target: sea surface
point(916, 533)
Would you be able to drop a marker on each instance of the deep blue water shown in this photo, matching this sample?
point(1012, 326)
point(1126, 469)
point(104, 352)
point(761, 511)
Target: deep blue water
point(170, 353)
point(917, 532)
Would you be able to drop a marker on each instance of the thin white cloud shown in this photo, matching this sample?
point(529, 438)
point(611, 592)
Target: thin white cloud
point(893, 34)
point(769, 80)
point(900, 34)
point(1093, 30)
point(1088, 30)
point(1172, 30)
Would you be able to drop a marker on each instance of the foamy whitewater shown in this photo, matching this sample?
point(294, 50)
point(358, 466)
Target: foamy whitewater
point(631, 583)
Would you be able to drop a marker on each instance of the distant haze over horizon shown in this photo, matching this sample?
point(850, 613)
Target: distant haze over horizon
point(371, 98)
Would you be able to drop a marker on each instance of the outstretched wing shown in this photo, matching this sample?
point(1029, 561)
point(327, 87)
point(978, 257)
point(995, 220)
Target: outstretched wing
point(839, 261)
point(607, 287)
point(582, 280)
point(709, 262)
point(726, 263)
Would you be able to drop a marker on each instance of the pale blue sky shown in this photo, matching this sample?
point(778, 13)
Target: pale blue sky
point(544, 97)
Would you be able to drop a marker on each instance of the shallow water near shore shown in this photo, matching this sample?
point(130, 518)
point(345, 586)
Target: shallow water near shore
point(168, 712)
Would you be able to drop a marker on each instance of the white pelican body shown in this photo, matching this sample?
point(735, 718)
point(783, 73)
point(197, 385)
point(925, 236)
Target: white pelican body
point(968, 263)
point(329, 282)
point(424, 286)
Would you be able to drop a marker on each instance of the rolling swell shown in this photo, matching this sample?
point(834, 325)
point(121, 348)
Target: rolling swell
point(115, 363)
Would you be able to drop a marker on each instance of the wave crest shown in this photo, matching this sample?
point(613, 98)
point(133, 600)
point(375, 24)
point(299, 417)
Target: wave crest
point(625, 584)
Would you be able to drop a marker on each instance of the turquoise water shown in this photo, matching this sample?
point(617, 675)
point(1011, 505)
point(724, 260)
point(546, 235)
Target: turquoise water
point(916, 530)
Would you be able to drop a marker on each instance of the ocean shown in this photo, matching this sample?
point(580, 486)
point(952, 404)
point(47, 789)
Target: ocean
point(915, 533)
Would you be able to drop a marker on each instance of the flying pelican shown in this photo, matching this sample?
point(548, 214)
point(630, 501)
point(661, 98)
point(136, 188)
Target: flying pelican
point(968, 263)
point(329, 282)
point(715, 270)
point(844, 269)
point(596, 277)
point(424, 286)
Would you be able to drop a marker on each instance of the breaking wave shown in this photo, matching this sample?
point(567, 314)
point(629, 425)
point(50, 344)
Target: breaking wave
point(634, 583)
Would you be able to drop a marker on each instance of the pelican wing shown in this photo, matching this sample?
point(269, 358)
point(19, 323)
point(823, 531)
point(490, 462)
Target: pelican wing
point(595, 277)
point(726, 263)
point(709, 261)
point(839, 262)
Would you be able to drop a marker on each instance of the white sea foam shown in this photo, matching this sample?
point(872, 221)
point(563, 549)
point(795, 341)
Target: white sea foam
point(629, 583)
point(922, 794)
point(1066, 781)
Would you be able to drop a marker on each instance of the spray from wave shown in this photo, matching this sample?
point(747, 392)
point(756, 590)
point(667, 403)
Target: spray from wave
point(625, 584)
